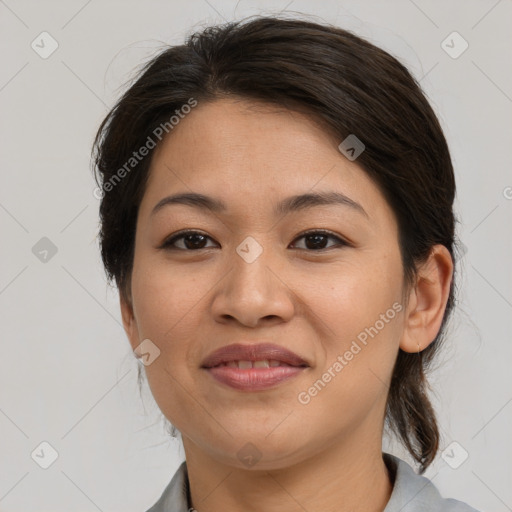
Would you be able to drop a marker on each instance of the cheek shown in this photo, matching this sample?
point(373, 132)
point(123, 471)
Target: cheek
point(361, 317)
point(354, 296)
point(356, 372)
point(165, 301)
point(167, 308)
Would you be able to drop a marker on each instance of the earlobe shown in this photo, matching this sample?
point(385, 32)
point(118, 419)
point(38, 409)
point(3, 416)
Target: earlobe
point(427, 302)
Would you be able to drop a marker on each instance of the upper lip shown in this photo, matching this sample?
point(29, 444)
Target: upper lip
point(255, 352)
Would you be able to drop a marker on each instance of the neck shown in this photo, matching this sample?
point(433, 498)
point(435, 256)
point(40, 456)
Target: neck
point(340, 478)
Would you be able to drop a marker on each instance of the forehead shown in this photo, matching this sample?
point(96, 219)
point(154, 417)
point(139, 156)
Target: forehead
point(249, 152)
point(228, 130)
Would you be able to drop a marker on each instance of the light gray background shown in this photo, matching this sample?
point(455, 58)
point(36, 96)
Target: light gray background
point(67, 375)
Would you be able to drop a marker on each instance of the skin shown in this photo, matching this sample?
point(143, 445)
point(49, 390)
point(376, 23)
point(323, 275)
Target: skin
point(325, 455)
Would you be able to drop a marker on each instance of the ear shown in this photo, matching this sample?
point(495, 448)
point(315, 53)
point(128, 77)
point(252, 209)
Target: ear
point(427, 301)
point(129, 322)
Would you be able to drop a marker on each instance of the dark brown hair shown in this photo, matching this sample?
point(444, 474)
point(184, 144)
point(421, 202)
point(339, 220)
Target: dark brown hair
point(351, 87)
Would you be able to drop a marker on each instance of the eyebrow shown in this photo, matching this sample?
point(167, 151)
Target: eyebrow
point(288, 205)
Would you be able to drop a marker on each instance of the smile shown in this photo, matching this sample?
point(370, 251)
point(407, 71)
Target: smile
point(253, 367)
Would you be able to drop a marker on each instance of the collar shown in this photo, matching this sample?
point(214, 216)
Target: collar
point(411, 492)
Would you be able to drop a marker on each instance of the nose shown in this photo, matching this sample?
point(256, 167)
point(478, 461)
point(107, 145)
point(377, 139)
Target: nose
point(253, 292)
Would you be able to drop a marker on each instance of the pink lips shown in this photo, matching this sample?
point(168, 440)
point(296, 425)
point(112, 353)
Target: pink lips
point(253, 367)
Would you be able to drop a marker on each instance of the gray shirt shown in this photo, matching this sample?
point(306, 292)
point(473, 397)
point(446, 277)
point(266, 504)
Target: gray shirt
point(411, 492)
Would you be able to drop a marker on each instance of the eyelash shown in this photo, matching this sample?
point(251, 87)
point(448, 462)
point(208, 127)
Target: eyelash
point(168, 244)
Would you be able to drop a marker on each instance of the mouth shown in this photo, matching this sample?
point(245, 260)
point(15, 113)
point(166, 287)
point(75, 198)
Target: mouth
point(253, 367)
point(244, 364)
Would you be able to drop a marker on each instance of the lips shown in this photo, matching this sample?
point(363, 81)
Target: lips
point(263, 355)
point(252, 368)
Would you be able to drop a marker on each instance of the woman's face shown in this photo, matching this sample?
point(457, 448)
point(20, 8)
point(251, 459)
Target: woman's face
point(334, 300)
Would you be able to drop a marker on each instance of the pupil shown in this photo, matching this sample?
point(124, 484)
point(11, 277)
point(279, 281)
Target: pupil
point(316, 238)
point(189, 241)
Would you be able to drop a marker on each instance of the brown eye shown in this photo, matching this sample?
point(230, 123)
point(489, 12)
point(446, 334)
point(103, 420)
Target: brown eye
point(195, 240)
point(189, 241)
point(317, 240)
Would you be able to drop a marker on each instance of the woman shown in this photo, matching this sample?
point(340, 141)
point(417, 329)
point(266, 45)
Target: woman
point(277, 214)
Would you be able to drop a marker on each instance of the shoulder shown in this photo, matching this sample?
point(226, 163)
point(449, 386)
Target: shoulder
point(416, 493)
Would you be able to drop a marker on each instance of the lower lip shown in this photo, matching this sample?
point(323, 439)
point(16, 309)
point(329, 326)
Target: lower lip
point(254, 379)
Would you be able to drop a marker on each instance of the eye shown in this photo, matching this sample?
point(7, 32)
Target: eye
point(316, 240)
point(192, 240)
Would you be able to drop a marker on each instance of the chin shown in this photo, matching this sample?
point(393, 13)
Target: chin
point(261, 450)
